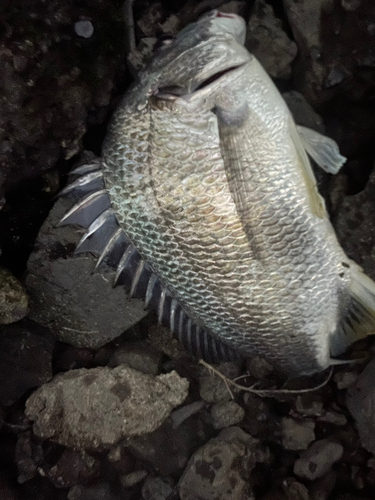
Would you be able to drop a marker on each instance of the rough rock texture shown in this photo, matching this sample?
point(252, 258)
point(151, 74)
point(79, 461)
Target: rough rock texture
point(25, 359)
point(226, 414)
point(303, 113)
point(212, 388)
point(221, 469)
point(361, 401)
point(267, 40)
point(139, 356)
point(355, 226)
point(13, 298)
point(79, 307)
point(317, 460)
point(156, 489)
point(96, 408)
point(297, 435)
point(50, 78)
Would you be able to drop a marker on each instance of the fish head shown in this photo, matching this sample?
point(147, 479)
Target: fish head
point(197, 65)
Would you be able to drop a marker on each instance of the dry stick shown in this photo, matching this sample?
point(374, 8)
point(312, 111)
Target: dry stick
point(263, 392)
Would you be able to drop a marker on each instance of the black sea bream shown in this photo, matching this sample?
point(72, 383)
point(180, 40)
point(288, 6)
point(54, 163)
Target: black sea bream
point(205, 201)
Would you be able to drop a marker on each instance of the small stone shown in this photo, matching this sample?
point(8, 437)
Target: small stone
point(100, 491)
point(133, 478)
point(267, 40)
point(317, 460)
point(84, 29)
point(360, 400)
point(234, 7)
point(171, 26)
point(350, 5)
point(71, 468)
point(226, 414)
point(14, 302)
point(297, 435)
point(333, 417)
point(138, 57)
point(309, 405)
point(212, 388)
point(155, 488)
point(259, 368)
point(221, 469)
point(322, 488)
point(295, 490)
point(96, 408)
point(345, 379)
point(139, 356)
point(181, 414)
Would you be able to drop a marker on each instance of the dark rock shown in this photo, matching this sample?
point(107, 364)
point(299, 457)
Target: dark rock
point(318, 459)
point(132, 478)
point(168, 449)
point(221, 469)
point(295, 490)
point(101, 491)
point(81, 308)
point(303, 113)
point(157, 489)
point(260, 418)
point(333, 417)
point(13, 298)
point(7, 490)
point(344, 380)
point(162, 339)
point(226, 414)
point(25, 359)
point(50, 80)
point(360, 401)
point(297, 435)
point(213, 388)
point(267, 40)
point(355, 227)
point(181, 414)
point(28, 456)
point(98, 407)
point(322, 488)
point(71, 468)
point(139, 356)
point(258, 367)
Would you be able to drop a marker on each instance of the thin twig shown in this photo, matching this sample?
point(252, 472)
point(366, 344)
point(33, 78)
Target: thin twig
point(263, 392)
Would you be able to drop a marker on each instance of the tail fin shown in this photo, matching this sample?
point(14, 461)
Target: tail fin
point(359, 319)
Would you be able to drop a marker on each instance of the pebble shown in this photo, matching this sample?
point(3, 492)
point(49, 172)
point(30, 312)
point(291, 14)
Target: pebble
point(297, 435)
point(345, 379)
point(226, 414)
point(14, 301)
point(84, 29)
point(155, 488)
point(318, 459)
point(212, 388)
point(139, 356)
point(133, 478)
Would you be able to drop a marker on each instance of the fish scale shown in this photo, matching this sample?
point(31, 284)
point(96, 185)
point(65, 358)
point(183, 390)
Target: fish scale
point(215, 219)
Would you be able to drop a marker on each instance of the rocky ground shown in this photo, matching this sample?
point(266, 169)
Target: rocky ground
point(96, 401)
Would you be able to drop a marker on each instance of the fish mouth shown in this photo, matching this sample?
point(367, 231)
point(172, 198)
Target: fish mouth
point(205, 86)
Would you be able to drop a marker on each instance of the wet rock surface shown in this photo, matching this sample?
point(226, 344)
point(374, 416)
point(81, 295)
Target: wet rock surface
point(63, 70)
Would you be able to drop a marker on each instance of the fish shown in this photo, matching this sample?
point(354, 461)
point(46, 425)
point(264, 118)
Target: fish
point(205, 202)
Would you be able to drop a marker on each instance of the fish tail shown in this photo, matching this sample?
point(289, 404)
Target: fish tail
point(359, 319)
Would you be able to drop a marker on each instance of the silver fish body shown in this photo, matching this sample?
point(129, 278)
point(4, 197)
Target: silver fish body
point(209, 179)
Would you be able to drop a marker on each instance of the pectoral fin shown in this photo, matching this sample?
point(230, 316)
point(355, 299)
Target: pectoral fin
point(323, 150)
point(359, 318)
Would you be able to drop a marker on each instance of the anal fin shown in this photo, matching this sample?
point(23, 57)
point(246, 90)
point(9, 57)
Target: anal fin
point(359, 318)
